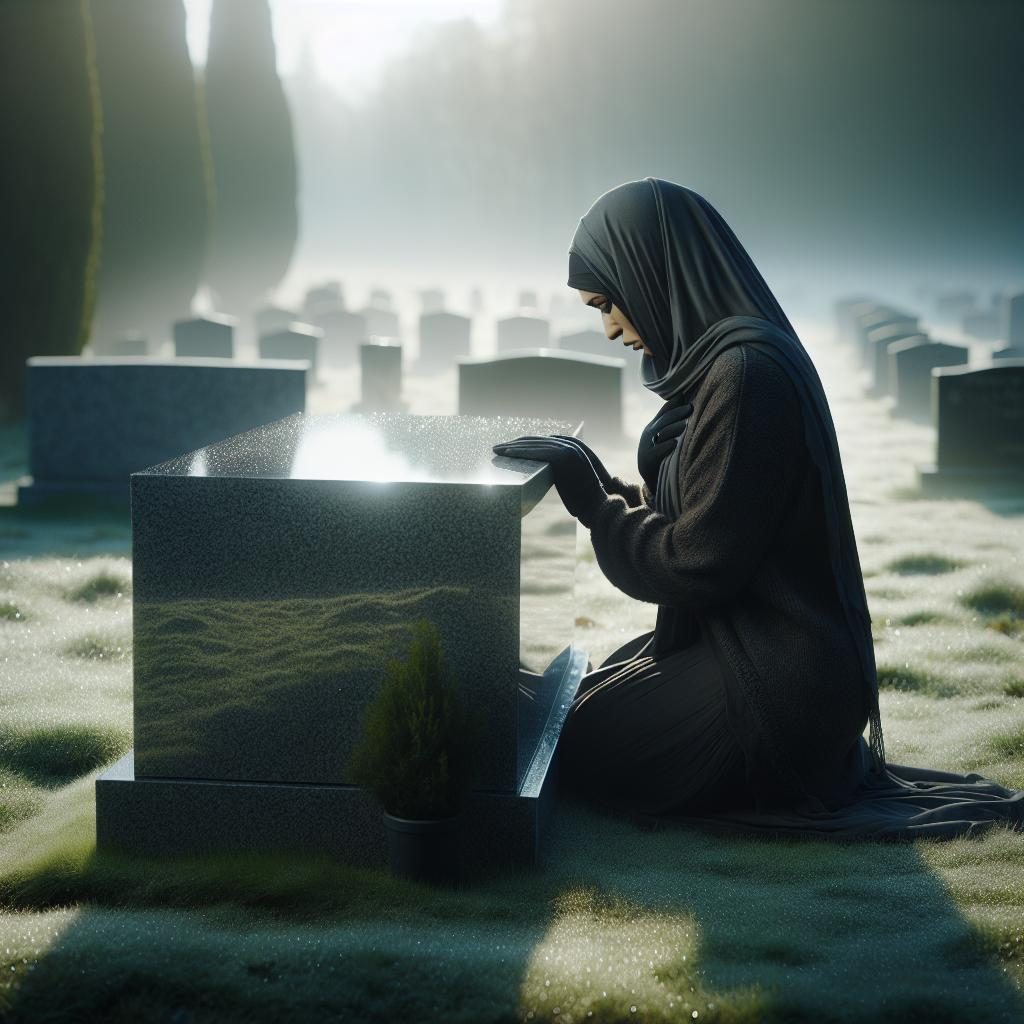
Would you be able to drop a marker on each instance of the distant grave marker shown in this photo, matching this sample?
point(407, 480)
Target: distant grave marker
point(205, 337)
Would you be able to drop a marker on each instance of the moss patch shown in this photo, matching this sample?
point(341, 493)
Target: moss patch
point(924, 565)
point(55, 755)
point(102, 585)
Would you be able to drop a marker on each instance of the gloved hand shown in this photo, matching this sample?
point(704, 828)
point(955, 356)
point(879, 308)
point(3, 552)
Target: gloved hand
point(659, 437)
point(576, 480)
point(602, 474)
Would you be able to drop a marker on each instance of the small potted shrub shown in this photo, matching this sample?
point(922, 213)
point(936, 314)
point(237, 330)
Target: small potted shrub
point(415, 755)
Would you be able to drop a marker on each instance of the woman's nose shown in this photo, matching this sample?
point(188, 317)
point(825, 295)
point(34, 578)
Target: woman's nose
point(611, 330)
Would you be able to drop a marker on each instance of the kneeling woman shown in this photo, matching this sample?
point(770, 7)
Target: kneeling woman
point(746, 705)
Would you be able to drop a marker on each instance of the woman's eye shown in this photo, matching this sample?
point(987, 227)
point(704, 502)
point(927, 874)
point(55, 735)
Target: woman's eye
point(606, 308)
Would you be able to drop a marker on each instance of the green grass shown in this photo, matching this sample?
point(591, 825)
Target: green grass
point(10, 612)
point(673, 921)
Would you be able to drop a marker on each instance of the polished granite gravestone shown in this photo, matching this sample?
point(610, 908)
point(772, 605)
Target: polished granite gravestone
point(92, 422)
point(911, 362)
point(518, 332)
point(296, 341)
point(211, 337)
point(878, 340)
point(275, 574)
point(344, 331)
point(380, 377)
point(546, 382)
point(979, 428)
point(444, 337)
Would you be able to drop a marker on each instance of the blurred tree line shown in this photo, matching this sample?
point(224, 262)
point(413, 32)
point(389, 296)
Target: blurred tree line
point(827, 131)
point(126, 182)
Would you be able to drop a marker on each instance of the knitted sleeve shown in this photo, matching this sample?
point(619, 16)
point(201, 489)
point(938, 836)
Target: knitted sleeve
point(635, 494)
point(745, 454)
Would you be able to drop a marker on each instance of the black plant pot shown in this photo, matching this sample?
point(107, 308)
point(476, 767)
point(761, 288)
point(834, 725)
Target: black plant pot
point(425, 849)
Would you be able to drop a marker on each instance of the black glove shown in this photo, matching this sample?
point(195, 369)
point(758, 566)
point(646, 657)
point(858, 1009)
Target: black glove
point(576, 481)
point(658, 439)
point(602, 474)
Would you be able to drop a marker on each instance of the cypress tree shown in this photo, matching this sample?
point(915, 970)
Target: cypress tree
point(251, 141)
point(155, 219)
point(50, 184)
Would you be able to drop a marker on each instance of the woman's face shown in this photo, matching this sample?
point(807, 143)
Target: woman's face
point(616, 325)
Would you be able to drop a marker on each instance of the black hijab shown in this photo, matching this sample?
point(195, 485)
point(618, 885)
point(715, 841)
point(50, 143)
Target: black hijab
point(664, 256)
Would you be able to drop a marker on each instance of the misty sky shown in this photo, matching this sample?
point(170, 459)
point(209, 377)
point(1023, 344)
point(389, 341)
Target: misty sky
point(349, 40)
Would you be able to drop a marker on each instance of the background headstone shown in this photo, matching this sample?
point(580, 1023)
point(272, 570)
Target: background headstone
point(911, 362)
point(432, 300)
point(444, 337)
point(344, 332)
point(273, 318)
point(580, 387)
point(323, 298)
point(205, 336)
point(381, 377)
point(878, 341)
point(523, 332)
point(130, 344)
point(297, 341)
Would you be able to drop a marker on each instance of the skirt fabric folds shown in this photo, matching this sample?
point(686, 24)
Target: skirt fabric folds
point(646, 736)
point(650, 738)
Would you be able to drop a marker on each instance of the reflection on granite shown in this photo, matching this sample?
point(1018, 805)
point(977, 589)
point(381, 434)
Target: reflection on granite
point(275, 574)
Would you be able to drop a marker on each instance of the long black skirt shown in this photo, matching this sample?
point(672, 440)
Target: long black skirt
point(650, 738)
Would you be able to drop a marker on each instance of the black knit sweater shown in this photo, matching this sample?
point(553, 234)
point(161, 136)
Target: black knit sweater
point(748, 558)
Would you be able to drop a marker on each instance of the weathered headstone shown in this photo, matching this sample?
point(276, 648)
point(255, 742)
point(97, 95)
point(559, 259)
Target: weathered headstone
point(380, 377)
point(205, 337)
point(444, 337)
point(297, 341)
point(911, 362)
point(92, 422)
point(546, 382)
point(519, 332)
point(878, 340)
point(848, 313)
point(979, 428)
point(380, 298)
point(344, 332)
point(527, 299)
point(276, 575)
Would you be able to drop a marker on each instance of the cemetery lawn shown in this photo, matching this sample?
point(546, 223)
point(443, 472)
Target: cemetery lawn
point(621, 923)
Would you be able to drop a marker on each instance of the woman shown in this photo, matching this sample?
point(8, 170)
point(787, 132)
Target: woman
point(745, 707)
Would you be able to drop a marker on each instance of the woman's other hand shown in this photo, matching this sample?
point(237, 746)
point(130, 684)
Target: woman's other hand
point(659, 437)
point(576, 480)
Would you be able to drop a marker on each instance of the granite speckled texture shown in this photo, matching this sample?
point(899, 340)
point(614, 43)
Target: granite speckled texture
point(206, 336)
point(94, 421)
point(275, 573)
point(546, 382)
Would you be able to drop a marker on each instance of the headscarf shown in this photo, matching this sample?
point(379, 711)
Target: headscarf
point(664, 256)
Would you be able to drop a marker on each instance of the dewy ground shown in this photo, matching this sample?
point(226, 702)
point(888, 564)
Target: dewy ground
point(622, 924)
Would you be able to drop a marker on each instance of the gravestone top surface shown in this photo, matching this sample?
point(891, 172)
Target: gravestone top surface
point(175, 362)
point(375, 447)
point(223, 319)
point(560, 355)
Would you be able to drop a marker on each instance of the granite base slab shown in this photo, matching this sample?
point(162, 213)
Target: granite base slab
point(960, 481)
point(174, 817)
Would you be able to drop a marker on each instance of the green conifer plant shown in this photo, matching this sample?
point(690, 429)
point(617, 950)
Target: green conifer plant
point(416, 752)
